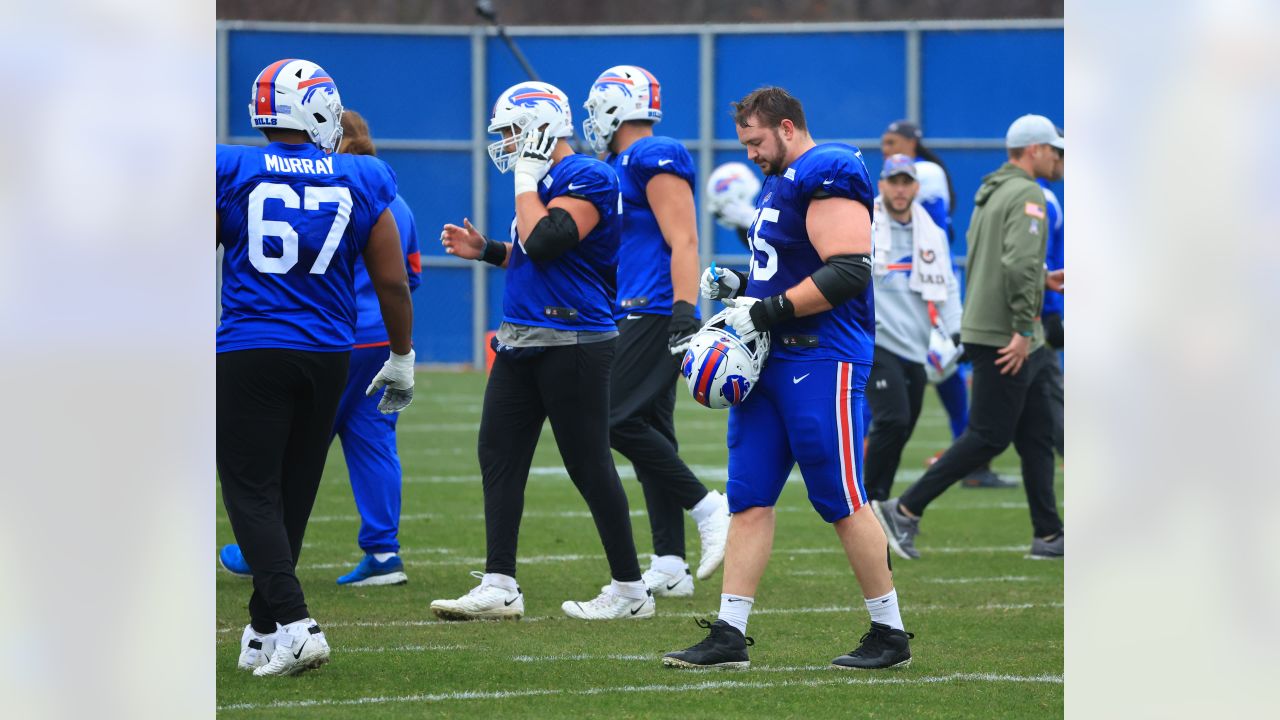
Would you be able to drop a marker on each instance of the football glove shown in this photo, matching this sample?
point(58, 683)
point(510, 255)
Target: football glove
point(397, 376)
point(739, 317)
point(720, 283)
point(684, 325)
point(735, 216)
point(534, 160)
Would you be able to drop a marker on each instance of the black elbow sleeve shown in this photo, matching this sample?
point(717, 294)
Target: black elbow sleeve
point(843, 277)
point(553, 236)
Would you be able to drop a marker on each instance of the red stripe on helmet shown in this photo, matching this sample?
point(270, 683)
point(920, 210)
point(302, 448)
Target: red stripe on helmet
point(655, 90)
point(264, 96)
point(708, 371)
point(314, 81)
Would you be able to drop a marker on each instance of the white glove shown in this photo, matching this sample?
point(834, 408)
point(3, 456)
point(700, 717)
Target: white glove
point(719, 284)
point(739, 317)
point(736, 215)
point(397, 376)
point(534, 160)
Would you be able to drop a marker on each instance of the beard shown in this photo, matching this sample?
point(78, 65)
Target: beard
point(772, 165)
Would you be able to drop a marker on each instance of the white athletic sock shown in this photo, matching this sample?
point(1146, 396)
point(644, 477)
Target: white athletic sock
point(710, 504)
point(631, 590)
point(884, 610)
point(506, 582)
point(383, 557)
point(734, 610)
point(670, 564)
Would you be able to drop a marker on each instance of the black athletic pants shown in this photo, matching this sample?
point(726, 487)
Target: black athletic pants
point(275, 420)
point(895, 391)
point(569, 385)
point(1003, 408)
point(642, 427)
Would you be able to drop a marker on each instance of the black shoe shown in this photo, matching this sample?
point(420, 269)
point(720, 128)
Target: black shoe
point(987, 478)
point(881, 648)
point(724, 647)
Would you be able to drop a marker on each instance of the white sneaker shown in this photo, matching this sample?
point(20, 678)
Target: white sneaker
point(714, 531)
point(300, 646)
point(484, 602)
point(608, 606)
point(665, 584)
point(255, 651)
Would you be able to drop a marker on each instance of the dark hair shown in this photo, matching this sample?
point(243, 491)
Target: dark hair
point(355, 134)
point(771, 105)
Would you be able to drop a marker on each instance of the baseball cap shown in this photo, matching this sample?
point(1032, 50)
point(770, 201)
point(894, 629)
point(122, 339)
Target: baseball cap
point(898, 165)
point(905, 128)
point(1033, 130)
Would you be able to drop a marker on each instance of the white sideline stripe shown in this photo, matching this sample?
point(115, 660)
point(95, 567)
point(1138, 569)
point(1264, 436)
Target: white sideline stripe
point(937, 581)
point(762, 611)
point(579, 656)
point(399, 648)
point(690, 687)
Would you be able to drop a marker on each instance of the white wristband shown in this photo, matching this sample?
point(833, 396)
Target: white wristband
point(401, 362)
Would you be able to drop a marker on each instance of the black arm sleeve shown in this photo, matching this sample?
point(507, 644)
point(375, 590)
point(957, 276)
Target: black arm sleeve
point(553, 236)
point(843, 277)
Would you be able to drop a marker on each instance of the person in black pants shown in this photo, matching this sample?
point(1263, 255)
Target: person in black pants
point(657, 290)
point(555, 351)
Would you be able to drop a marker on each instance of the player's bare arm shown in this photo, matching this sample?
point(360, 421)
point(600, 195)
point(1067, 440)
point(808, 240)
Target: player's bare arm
point(671, 199)
point(384, 259)
point(837, 226)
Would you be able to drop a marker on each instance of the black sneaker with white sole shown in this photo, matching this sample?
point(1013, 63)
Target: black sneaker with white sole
point(724, 647)
point(880, 648)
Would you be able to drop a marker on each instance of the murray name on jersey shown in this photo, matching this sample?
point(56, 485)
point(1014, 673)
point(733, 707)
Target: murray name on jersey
point(314, 166)
point(782, 255)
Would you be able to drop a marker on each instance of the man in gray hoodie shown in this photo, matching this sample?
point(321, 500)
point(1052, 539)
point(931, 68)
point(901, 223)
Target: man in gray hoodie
point(1004, 340)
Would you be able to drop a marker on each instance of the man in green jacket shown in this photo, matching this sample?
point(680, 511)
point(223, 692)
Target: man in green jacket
point(1004, 340)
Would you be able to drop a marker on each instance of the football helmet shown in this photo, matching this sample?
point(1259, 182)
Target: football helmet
point(621, 93)
point(719, 368)
point(298, 95)
point(731, 195)
point(942, 357)
point(523, 107)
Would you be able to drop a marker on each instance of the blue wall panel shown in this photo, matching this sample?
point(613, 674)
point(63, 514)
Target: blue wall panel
point(573, 63)
point(437, 186)
point(976, 83)
point(851, 85)
point(406, 86)
point(442, 315)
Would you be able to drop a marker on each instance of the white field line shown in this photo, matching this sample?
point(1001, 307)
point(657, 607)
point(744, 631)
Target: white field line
point(401, 648)
point(579, 656)
point(825, 610)
point(835, 680)
point(936, 581)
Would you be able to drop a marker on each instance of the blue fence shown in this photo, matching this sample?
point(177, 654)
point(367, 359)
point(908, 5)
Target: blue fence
point(426, 93)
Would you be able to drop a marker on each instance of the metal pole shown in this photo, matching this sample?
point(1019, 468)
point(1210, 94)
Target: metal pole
point(706, 149)
point(479, 196)
point(223, 74)
point(913, 75)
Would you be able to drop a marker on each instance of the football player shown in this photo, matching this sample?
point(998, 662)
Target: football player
point(294, 218)
point(656, 316)
point(809, 286)
point(368, 436)
point(554, 350)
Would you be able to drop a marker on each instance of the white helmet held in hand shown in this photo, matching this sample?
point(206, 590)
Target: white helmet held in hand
point(621, 93)
point(296, 94)
point(523, 107)
point(719, 368)
point(731, 193)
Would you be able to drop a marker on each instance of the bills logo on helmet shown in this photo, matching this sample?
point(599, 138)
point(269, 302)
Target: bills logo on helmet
point(530, 96)
point(319, 80)
point(735, 389)
point(719, 368)
point(612, 78)
point(686, 367)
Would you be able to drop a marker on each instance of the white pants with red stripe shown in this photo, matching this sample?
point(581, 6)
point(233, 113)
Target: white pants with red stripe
point(802, 411)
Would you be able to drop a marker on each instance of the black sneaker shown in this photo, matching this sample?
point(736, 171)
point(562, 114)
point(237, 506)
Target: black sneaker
point(724, 647)
point(985, 477)
point(881, 648)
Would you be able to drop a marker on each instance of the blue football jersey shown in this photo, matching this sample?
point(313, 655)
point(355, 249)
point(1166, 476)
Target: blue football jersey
point(644, 257)
point(294, 220)
point(369, 328)
point(576, 290)
point(782, 256)
point(1053, 246)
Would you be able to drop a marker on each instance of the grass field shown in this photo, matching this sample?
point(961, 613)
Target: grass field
point(988, 623)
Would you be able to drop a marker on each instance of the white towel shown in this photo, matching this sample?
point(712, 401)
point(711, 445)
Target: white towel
point(930, 259)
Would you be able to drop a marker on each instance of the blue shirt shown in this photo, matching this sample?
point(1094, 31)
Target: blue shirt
point(1053, 246)
point(294, 220)
point(644, 257)
point(782, 255)
point(576, 290)
point(369, 328)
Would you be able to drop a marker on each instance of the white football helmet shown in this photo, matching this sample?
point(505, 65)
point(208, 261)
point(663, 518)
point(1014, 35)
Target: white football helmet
point(527, 106)
point(731, 194)
point(719, 368)
point(621, 93)
point(298, 95)
point(941, 359)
